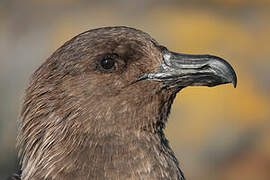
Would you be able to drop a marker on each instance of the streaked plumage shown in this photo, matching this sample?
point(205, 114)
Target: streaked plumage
point(96, 108)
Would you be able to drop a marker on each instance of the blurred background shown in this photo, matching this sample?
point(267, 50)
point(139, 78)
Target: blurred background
point(217, 133)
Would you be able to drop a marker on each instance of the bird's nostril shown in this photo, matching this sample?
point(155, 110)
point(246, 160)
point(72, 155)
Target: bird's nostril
point(205, 67)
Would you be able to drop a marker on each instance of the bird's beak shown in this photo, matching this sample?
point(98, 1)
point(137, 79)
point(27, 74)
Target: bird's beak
point(181, 70)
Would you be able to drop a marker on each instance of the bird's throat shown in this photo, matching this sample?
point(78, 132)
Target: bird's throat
point(131, 147)
point(132, 156)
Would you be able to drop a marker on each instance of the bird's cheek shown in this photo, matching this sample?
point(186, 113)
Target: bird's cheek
point(144, 89)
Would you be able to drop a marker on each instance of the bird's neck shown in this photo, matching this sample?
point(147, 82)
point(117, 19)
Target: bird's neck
point(134, 155)
point(130, 147)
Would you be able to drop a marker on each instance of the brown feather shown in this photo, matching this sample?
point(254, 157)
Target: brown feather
point(78, 122)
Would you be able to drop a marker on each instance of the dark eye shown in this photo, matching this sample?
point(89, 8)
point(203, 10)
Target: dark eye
point(107, 63)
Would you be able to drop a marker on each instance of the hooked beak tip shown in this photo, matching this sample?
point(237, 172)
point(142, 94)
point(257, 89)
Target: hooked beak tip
point(223, 68)
point(234, 82)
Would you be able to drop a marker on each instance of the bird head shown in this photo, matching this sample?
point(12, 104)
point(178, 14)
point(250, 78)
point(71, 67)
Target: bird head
point(107, 81)
point(116, 77)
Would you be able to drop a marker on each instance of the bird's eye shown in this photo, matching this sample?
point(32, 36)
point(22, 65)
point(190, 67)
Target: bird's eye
point(107, 63)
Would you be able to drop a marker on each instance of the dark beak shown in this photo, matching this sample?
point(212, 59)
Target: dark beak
point(181, 70)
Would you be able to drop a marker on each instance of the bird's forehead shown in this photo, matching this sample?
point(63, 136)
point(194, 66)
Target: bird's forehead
point(124, 41)
point(118, 35)
point(118, 31)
